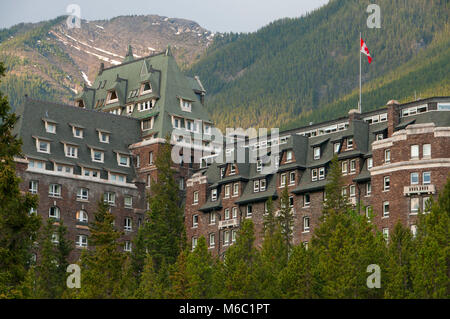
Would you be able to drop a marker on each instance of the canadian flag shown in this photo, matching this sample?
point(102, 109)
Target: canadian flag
point(365, 50)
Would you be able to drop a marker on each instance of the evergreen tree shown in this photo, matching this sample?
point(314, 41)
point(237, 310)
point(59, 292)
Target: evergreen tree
point(101, 267)
point(178, 278)
point(239, 265)
point(153, 284)
point(18, 228)
point(200, 271)
point(286, 220)
point(297, 280)
point(164, 229)
point(431, 266)
point(52, 264)
point(138, 256)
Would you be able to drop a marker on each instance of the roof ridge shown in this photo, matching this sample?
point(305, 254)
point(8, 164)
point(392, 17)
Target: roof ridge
point(135, 60)
point(81, 108)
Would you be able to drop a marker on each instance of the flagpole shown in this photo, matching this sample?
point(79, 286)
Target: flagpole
point(360, 73)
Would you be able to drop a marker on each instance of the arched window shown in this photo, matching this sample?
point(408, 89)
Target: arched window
point(82, 216)
point(54, 212)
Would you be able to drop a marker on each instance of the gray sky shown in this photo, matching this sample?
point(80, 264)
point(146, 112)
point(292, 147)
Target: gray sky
point(215, 15)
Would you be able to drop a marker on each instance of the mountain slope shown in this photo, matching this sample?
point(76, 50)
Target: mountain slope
point(47, 60)
point(291, 68)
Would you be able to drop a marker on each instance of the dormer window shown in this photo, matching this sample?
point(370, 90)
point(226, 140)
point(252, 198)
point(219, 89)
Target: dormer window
point(176, 122)
point(112, 97)
point(146, 88)
point(350, 143)
point(316, 153)
point(337, 146)
point(97, 156)
point(289, 156)
point(214, 194)
point(123, 160)
point(186, 105)
point(77, 132)
point(130, 109)
point(117, 178)
point(50, 127)
point(42, 146)
point(71, 151)
point(103, 137)
point(145, 106)
point(232, 169)
point(147, 124)
point(207, 129)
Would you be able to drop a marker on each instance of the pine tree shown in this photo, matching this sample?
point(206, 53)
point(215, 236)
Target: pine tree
point(286, 220)
point(297, 280)
point(138, 256)
point(164, 229)
point(52, 264)
point(200, 271)
point(101, 267)
point(153, 285)
point(431, 266)
point(239, 265)
point(178, 278)
point(398, 270)
point(18, 228)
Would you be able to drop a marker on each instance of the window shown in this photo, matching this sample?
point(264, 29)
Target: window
point(146, 88)
point(82, 241)
point(43, 147)
point(233, 236)
point(185, 105)
point(55, 238)
point(235, 189)
point(232, 169)
point(350, 143)
point(386, 234)
point(124, 160)
point(283, 180)
point(128, 202)
point(91, 173)
point(97, 156)
point(291, 178)
point(344, 167)
point(262, 185)
point(306, 200)
point(256, 186)
point(414, 230)
point(443, 107)
point(369, 162)
point(414, 178)
point(83, 194)
point(77, 132)
point(207, 129)
point(54, 190)
point(226, 237)
point(314, 174)
point(82, 216)
point(212, 240)
point(54, 212)
point(212, 218)
point(127, 246)
point(289, 156)
point(138, 161)
point(63, 168)
point(144, 106)
point(414, 151)
point(249, 210)
point(306, 224)
point(214, 194)
point(415, 204)
point(117, 178)
point(379, 137)
point(386, 209)
point(234, 212)
point(50, 127)
point(426, 149)
point(368, 212)
point(130, 109)
point(40, 165)
point(426, 204)
point(176, 122)
point(316, 153)
point(110, 198)
point(181, 183)
point(426, 178)
point(227, 191)
point(33, 187)
point(149, 181)
point(352, 166)
point(387, 156)
point(196, 197)
point(291, 201)
point(387, 183)
point(344, 191)
point(321, 173)
point(222, 172)
point(305, 244)
point(150, 158)
point(195, 221)
point(147, 124)
point(352, 190)
point(103, 137)
point(227, 213)
point(128, 224)
point(368, 188)
point(337, 146)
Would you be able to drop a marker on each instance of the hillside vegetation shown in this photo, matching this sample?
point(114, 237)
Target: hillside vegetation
point(295, 71)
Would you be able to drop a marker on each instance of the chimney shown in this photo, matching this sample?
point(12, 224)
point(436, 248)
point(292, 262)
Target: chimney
point(353, 114)
point(393, 116)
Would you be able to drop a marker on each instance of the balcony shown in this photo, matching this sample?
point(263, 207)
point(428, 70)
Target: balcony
point(228, 223)
point(419, 189)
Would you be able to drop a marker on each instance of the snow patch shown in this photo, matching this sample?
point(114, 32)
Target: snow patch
point(99, 26)
point(86, 79)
